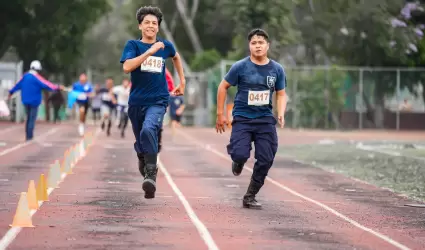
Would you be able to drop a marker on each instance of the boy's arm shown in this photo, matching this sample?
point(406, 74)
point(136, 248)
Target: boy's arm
point(230, 79)
point(129, 59)
point(281, 102)
point(221, 96)
point(281, 96)
point(178, 65)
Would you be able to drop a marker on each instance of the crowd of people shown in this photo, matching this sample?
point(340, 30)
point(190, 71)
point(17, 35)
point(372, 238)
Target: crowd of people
point(108, 104)
point(145, 97)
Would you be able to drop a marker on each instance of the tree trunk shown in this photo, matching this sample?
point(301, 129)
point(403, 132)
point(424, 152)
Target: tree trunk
point(170, 38)
point(190, 28)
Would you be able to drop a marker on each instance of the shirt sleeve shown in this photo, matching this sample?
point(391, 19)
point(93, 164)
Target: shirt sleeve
point(171, 48)
point(232, 77)
point(281, 79)
point(44, 83)
point(17, 86)
point(129, 52)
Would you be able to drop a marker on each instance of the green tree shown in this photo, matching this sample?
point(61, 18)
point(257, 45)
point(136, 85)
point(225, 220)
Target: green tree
point(13, 15)
point(275, 16)
point(213, 28)
point(365, 33)
point(205, 60)
point(52, 32)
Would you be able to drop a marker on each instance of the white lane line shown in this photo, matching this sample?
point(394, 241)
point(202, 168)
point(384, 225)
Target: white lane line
point(21, 145)
point(202, 229)
point(327, 208)
point(14, 231)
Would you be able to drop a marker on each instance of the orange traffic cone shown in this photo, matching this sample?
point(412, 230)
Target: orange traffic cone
point(32, 196)
point(22, 216)
point(42, 189)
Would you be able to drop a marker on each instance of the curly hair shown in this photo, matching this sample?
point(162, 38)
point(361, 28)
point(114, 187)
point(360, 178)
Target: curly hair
point(149, 10)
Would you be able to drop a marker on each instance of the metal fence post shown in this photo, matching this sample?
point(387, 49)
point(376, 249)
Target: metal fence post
point(361, 98)
point(19, 106)
point(327, 96)
point(294, 99)
point(398, 100)
point(222, 69)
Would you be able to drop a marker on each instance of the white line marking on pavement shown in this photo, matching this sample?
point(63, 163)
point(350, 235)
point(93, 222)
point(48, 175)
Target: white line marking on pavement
point(203, 231)
point(14, 231)
point(21, 145)
point(327, 208)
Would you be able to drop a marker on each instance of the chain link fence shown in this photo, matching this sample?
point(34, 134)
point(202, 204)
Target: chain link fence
point(346, 97)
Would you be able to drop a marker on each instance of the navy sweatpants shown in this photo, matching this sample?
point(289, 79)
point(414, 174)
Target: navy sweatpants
point(146, 122)
point(261, 131)
point(31, 120)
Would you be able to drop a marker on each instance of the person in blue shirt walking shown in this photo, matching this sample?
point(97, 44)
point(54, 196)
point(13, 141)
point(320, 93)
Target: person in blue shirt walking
point(31, 86)
point(86, 89)
point(256, 77)
point(145, 60)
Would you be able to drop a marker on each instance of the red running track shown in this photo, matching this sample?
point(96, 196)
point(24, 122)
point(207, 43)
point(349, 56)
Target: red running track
point(198, 203)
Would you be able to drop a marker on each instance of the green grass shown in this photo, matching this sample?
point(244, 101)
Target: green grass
point(399, 173)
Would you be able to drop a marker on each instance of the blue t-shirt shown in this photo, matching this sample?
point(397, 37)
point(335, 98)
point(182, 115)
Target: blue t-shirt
point(149, 86)
point(175, 103)
point(256, 84)
point(85, 88)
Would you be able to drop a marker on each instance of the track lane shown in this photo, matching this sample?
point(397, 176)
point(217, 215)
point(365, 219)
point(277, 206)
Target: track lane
point(101, 206)
point(20, 166)
point(373, 207)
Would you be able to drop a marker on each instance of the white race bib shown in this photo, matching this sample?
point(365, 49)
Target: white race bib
point(82, 97)
point(153, 64)
point(259, 98)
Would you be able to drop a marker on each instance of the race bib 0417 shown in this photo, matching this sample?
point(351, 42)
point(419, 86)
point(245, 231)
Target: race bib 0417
point(259, 98)
point(152, 64)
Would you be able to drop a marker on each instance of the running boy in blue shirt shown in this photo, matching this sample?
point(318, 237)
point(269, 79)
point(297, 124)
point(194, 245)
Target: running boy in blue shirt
point(86, 89)
point(145, 60)
point(256, 78)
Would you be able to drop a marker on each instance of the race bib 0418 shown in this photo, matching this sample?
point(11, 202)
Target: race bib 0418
point(152, 64)
point(259, 98)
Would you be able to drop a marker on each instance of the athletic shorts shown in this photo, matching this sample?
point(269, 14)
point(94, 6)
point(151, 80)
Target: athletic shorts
point(106, 110)
point(175, 117)
point(84, 105)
